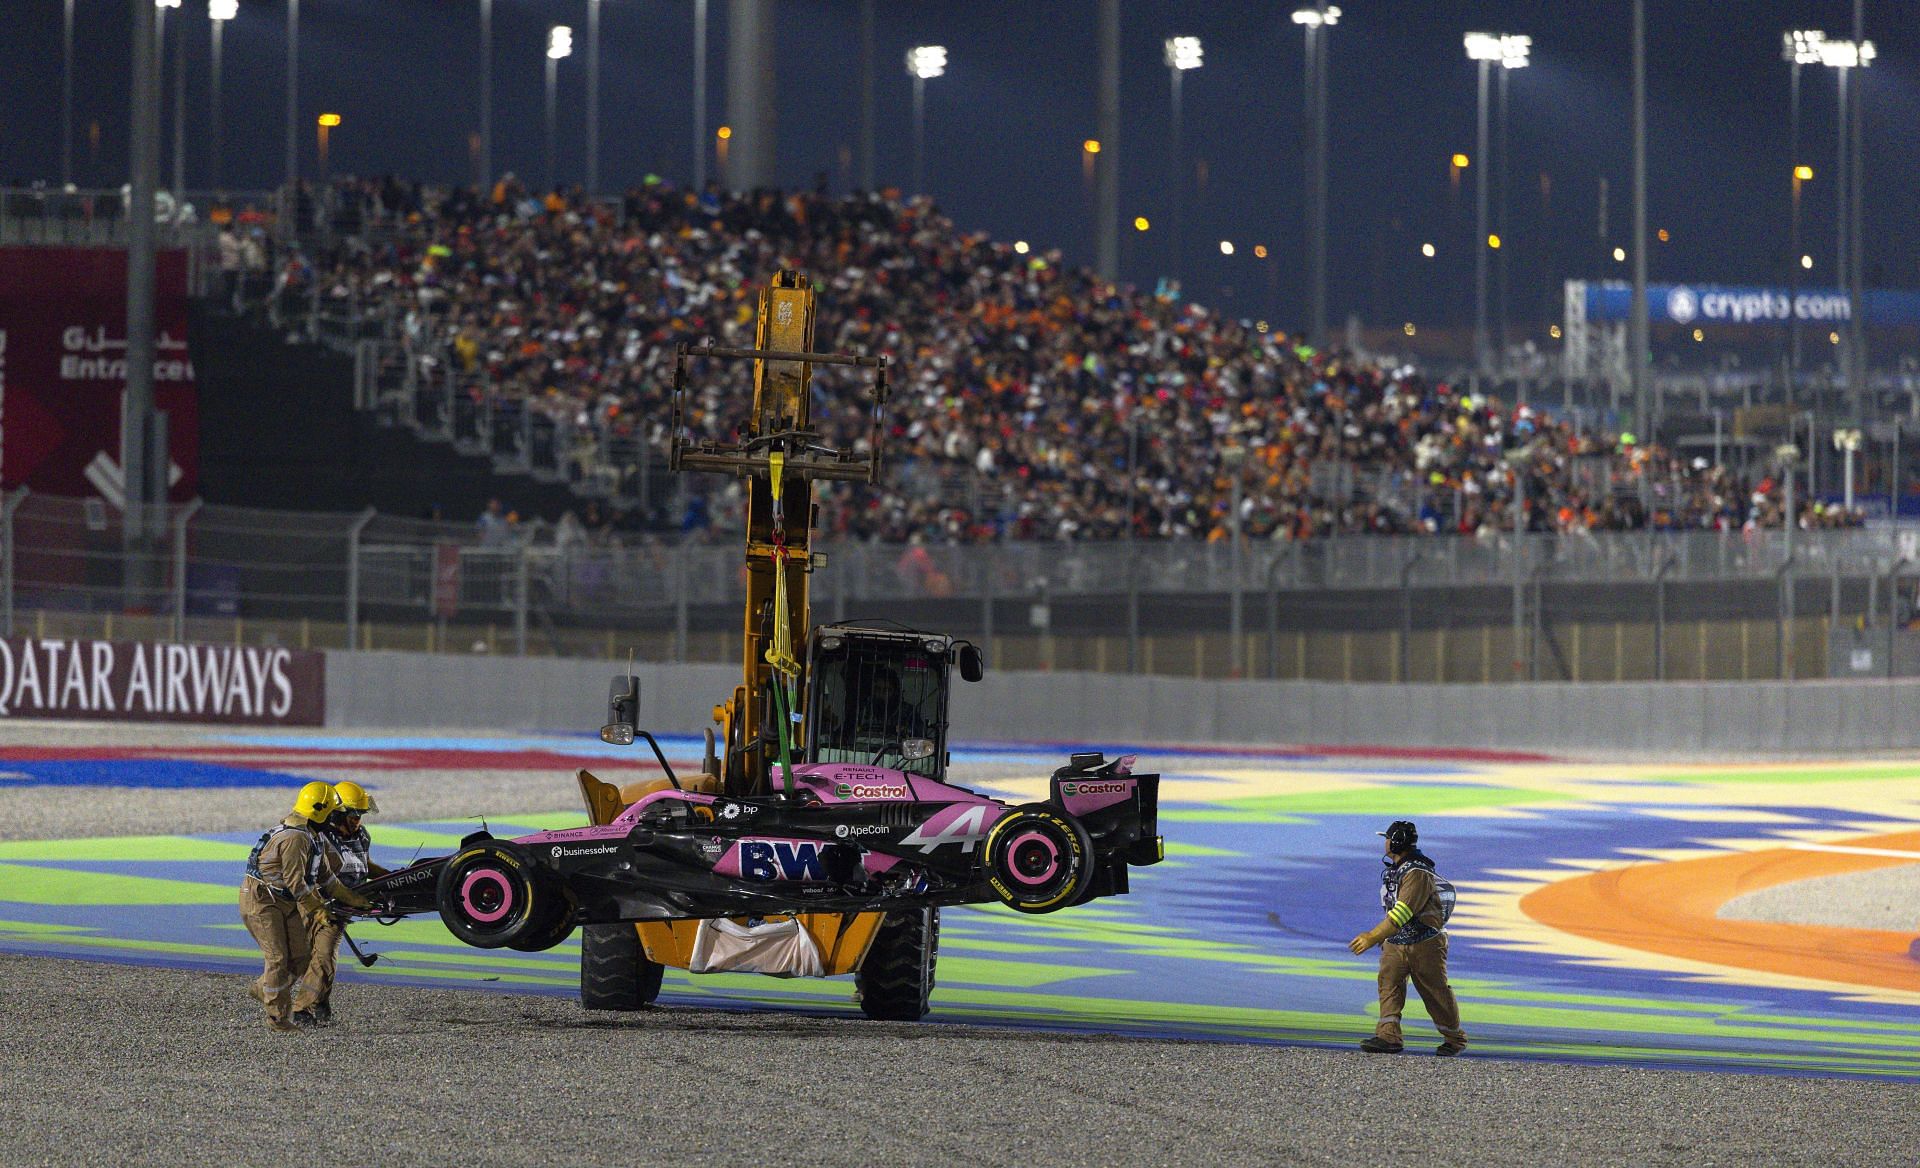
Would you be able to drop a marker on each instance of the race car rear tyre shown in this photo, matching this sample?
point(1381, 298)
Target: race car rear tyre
point(615, 973)
point(1038, 859)
point(492, 895)
point(895, 982)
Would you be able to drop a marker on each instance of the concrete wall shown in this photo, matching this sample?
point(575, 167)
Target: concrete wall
point(507, 693)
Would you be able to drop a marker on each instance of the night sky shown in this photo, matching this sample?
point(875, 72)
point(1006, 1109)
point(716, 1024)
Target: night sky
point(1005, 124)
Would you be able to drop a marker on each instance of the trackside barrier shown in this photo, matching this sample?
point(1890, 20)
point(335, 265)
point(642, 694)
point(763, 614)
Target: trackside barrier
point(375, 690)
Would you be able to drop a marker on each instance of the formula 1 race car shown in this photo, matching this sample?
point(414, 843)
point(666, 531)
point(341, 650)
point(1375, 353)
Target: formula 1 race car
point(845, 838)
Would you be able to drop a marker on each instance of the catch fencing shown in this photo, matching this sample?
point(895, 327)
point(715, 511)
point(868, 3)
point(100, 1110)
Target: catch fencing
point(1538, 606)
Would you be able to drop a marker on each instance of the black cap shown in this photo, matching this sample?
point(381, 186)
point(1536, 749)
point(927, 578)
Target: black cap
point(1401, 833)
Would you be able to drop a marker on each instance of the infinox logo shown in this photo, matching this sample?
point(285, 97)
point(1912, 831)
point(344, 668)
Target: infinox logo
point(871, 790)
point(1108, 787)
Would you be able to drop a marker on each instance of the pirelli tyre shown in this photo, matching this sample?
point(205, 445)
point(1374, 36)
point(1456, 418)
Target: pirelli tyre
point(492, 895)
point(614, 971)
point(895, 982)
point(555, 926)
point(1038, 859)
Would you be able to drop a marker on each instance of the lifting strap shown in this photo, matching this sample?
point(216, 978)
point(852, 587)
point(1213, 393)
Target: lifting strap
point(779, 654)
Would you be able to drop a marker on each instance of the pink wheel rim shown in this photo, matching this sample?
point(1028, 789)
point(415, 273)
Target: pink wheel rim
point(485, 876)
point(1023, 841)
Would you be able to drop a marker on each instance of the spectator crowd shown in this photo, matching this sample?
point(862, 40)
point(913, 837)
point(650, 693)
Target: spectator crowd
point(1032, 400)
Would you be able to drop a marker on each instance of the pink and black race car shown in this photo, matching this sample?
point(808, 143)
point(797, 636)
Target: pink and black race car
point(844, 838)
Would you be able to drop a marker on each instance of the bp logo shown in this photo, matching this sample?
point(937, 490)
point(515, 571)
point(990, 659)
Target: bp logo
point(1683, 304)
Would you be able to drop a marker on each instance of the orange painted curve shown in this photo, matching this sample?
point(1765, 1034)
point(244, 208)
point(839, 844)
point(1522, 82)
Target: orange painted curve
point(1669, 908)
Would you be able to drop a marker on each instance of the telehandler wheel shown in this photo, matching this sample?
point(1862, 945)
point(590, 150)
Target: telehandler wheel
point(491, 894)
point(615, 973)
point(895, 982)
point(1038, 859)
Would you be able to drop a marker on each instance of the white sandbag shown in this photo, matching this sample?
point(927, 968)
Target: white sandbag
point(781, 947)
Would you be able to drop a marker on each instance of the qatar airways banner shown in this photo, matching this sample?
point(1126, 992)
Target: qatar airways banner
point(135, 682)
point(1695, 304)
point(63, 370)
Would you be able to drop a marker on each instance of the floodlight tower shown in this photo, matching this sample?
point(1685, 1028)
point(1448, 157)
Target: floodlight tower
point(218, 13)
point(1843, 57)
point(1315, 21)
point(1509, 52)
point(1181, 53)
point(180, 88)
point(559, 48)
point(1797, 48)
point(923, 63)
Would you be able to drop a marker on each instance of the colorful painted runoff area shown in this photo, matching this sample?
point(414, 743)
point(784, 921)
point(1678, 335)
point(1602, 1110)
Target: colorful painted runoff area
point(1588, 925)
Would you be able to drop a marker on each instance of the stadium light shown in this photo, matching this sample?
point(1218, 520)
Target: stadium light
point(1317, 17)
point(1842, 57)
point(166, 3)
point(1847, 54)
point(1801, 46)
point(326, 123)
point(1183, 52)
point(1806, 261)
point(1314, 23)
point(223, 9)
point(1140, 223)
point(1091, 146)
point(1426, 249)
point(1803, 173)
point(927, 61)
point(923, 62)
point(1226, 247)
point(559, 42)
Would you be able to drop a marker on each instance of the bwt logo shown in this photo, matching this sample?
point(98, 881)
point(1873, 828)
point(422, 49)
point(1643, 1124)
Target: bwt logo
point(781, 860)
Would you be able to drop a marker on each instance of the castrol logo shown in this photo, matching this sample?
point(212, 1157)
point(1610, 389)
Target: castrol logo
point(871, 791)
point(1104, 788)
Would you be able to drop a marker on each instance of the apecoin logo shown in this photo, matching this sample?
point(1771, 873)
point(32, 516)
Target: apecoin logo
point(844, 830)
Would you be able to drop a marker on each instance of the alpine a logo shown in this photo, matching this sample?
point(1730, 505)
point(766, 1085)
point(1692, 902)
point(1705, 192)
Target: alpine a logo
point(872, 791)
point(570, 853)
point(1103, 788)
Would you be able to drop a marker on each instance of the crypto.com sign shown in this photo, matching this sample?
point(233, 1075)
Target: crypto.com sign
point(1696, 304)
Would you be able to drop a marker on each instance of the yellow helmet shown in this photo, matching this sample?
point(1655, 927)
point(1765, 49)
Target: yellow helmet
point(354, 798)
point(315, 802)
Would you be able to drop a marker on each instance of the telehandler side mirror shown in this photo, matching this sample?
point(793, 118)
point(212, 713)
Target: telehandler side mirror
point(623, 711)
point(971, 668)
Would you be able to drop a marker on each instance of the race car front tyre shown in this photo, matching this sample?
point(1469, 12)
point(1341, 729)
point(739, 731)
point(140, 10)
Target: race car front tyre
point(491, 895)
point(615, 973)
point(555, 926)
point(895, 982)
point(1038, 859)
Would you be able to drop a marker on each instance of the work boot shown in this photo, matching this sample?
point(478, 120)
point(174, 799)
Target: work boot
point(281, 1025)
point(256, 993)
point(304, 1020)
point(1380, 1046)
point(322, 1014)
point(1449, 1048)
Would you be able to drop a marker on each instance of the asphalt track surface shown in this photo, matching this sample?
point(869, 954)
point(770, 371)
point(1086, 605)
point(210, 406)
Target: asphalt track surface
point(1101, 1025)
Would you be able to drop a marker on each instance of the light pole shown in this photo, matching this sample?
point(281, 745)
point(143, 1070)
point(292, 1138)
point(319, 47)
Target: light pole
point(593, 96)
point(1315, 21)
point(219, 12)
point(179, 104)
point(293, 102)
point(700, 96)
point(486, 98)
point(1797, 48)
point(1637, 326)
point(1107, 169)
point(66, 96)
point(1517, 49)
point(1181, 54)
point(923, 62)
point(326, 124)
point(559, 47)
point(1843, 57)
point(1509, 52)
point(866, 94)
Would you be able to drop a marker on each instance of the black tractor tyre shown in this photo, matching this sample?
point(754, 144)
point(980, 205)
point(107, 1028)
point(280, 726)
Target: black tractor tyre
point(615, 973)
point(492, 894)
point(895, 982)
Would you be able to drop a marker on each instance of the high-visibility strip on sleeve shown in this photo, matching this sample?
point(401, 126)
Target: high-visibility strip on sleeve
point(1399, 914)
